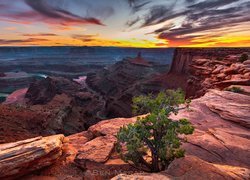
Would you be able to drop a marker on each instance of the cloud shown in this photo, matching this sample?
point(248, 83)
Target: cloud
point(196, 20)
point(40, 34)
point(84, 37)
point(21, 41)
point(56, 12)
point(137, 5)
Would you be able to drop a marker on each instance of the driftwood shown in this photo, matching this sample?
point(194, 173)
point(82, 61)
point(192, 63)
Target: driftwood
point(19, 158)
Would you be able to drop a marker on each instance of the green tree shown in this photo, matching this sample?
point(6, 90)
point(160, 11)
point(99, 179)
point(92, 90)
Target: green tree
point(243, 57)
point(153, 142)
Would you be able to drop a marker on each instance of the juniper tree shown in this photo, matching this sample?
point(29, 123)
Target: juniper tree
point(153, 142)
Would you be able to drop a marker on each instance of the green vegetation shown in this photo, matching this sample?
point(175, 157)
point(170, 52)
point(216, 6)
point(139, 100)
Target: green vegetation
point(243, 57)
point(153, 142)
point(235, 89)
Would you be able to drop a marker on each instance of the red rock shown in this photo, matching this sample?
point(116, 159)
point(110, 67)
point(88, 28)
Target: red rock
point(110, 127)
point(218, 69)
point(17, 97)
point(221, 76)
point(217, 138)
point(97, 150)
point(22, 157)
point(191, 167)
point(247, 62)
point(143, 176)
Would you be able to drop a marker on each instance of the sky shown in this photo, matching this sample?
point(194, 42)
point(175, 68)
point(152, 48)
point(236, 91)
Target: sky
point(125, 23)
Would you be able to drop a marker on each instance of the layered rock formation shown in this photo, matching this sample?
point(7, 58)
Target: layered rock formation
point(196, 70)
point(22, 157)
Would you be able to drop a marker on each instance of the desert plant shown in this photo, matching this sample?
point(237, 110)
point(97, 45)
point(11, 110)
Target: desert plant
point(153, 142)
point(235, 89)
point(243, 57)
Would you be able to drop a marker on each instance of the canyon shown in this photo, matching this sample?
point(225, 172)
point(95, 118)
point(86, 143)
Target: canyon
point(218, 149)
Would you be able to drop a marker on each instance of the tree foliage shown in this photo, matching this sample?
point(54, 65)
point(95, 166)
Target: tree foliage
point(153, 142)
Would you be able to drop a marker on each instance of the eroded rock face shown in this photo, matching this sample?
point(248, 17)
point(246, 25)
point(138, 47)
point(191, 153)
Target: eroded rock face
point(121, 81)
point(198, 70)
point(222, 133)
point(43, 91)
point(22, 157)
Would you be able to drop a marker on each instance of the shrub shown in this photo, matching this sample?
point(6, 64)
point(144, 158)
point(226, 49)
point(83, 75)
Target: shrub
point(153, 142)
point(235, 89)
point(243, 57)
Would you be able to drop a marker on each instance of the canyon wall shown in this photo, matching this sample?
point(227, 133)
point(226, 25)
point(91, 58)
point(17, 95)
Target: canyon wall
point(196, 70)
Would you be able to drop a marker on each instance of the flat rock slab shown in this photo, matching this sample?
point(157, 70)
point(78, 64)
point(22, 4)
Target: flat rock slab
point(19, 158)
point(97, 150)
point(231, 106)
point(111, 126)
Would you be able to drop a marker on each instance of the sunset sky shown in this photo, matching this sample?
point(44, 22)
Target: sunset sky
point(126, 23)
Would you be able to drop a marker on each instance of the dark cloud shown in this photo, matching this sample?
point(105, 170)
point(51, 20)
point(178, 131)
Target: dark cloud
point(39, 34)
point(21, 41)
point(44, 8)
point(161, 13)
point(199, 17)
point(211, 4)
point(132, 22)
point(84, 37)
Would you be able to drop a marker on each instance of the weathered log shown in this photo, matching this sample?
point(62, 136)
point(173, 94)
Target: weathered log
point(22, 157)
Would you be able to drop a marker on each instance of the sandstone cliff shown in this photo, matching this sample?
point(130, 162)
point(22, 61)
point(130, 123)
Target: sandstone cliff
point(196, 70)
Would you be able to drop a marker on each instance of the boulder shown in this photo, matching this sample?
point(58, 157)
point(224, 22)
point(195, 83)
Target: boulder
point(22, 157)
point(99, 160)
point(97, 150)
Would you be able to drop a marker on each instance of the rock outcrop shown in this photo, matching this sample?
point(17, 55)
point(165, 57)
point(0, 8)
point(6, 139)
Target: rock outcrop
point(118, 83)
point(197, 70)
point(22, 157)
point(43, 91)
point(218, 149)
